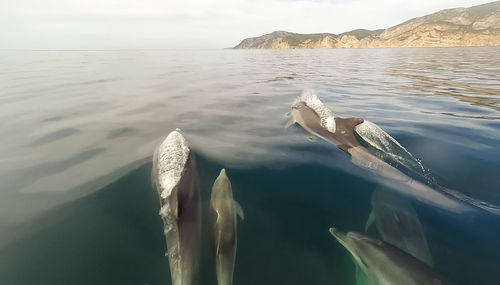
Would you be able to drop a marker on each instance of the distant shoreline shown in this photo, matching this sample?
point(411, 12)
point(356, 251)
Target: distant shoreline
point(475, 26)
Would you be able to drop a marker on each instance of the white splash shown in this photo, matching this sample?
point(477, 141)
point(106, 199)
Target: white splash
point(379, 139)
point(173, 154)
point(313, 102)
point(164, 210)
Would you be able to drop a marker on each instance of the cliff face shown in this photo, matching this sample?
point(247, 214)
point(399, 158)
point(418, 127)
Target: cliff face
point(287, 40)
point(474, 26)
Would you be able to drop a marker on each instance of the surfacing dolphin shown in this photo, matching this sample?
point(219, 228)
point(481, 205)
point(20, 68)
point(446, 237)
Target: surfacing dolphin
point(310, 113)
point(224, 210)
point(175, 177)
point(385, 264)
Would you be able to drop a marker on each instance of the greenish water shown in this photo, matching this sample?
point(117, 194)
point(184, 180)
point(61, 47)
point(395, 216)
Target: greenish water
point(79, 129)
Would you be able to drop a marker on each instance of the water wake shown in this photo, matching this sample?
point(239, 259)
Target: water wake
point(380, 144)
point(391, 151)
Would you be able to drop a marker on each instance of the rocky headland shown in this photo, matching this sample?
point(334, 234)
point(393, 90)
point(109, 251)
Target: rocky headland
point(473, 26)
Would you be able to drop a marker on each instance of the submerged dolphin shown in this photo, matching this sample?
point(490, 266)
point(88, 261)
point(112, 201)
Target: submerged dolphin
point(224, 211)
point(310, 113)
point(175, 177)
point(398, 224)
point(385, 264)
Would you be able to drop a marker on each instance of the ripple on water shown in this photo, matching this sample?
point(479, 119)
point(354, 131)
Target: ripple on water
point(40, 170)
point(54, 136)
point(230, 103)
point(122, 132)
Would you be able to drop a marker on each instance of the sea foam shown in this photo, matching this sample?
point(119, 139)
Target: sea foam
point(173, 154)
point(313, 102)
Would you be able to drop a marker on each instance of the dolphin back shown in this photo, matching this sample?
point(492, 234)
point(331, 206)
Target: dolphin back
point(174, 176)
point(398, 224)
point(224, 225)
point(385, 264)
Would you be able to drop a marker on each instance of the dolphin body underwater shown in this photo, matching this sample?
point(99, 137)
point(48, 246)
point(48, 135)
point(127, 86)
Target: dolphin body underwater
point(175, 177)
point(385, 264)
point(310, 113)
point(224, 210)
point(398, 224)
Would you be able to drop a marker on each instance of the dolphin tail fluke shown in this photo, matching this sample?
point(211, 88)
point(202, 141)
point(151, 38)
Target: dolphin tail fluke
point(370, 221)
point(238, 209)
point(290, 122)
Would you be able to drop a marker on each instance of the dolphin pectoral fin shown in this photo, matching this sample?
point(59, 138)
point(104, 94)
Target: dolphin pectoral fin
point(370, 221)
point(290, 122)
point(238, 210)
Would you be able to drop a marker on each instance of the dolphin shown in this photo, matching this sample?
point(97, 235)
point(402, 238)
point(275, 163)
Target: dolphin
point(398, 224)
point(175, 177)
point(224, 210)
point(310, 113)
point(385, 264)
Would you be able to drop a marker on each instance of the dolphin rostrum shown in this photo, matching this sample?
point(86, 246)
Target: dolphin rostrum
point(310, 113)
point(224, 210)
point(385, 264)
point(175, 177)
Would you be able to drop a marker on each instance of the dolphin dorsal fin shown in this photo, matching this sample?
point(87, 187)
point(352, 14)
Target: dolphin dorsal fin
point(290, 122)
point(370, 221)
point(352, 122)
point(238, 209)
point(344, 147)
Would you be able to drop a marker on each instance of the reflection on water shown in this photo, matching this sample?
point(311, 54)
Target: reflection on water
point(477, 84)
point(79, 128)
point(465, 116)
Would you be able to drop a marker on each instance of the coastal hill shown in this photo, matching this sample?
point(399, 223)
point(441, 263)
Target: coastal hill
point(473, 26)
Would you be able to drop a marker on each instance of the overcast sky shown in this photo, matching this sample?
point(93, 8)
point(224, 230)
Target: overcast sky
point(168, 24)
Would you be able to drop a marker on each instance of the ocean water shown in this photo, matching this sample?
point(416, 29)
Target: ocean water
point(78, 130)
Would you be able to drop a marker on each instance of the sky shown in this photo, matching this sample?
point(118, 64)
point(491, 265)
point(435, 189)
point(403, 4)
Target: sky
point(192, 24)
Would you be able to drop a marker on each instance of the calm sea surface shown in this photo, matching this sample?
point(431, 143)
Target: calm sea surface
point(78, 129)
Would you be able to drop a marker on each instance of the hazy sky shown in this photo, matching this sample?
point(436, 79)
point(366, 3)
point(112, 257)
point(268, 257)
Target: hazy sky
point(129, 24)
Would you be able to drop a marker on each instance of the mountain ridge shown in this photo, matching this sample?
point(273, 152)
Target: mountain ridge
point(473, 26)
